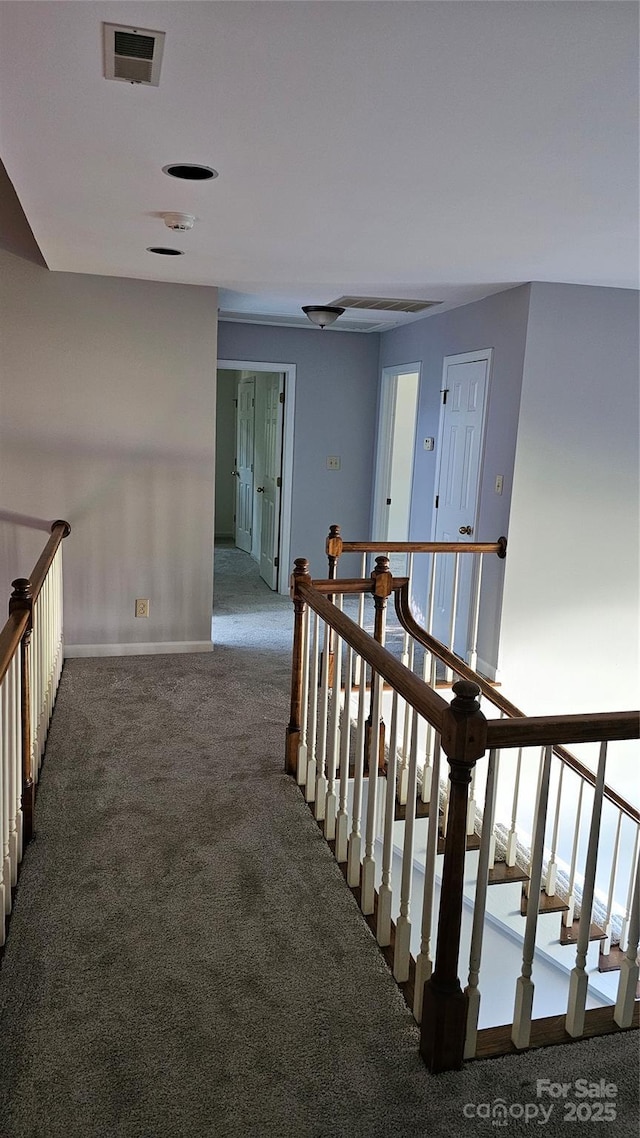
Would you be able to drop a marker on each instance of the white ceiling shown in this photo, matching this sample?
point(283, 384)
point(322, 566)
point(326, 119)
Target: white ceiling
point(428, 150)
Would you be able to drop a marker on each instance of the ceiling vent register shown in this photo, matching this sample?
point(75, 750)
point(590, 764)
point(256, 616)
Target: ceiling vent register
point(383, 303)
point(132, 55)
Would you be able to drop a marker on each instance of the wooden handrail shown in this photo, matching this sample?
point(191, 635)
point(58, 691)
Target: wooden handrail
point(336, 546)
point(59, 530)
point(511, 733)
point(10, 637)
point(412, 689)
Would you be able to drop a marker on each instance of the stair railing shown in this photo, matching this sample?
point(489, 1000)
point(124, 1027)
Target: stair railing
point(31, 658)
point(350, 772)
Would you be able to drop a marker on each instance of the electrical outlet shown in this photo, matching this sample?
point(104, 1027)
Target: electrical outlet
point(429, 444)
point(499, 483)
point(333, 462)
point(142, 606)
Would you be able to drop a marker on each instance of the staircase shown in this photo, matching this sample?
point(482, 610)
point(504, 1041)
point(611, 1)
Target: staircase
point(373, 717)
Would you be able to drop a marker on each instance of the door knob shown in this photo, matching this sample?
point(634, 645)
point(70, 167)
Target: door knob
point(259, 489)
point(236, 473)
point(466, 529)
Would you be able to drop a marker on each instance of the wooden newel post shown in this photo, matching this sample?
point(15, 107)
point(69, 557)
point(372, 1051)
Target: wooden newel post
point(334, 550)
point(444, 1015)
point(300, 575)
point(22, 601)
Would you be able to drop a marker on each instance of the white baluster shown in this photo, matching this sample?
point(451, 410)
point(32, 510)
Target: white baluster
point(334, 739)
point(472, 805)
point(358, 661)
point(550, 879)
point(605, 948)
point(355, 837)
point(512, 836)
point(17, 735)
point(475, 955)
point(628, 982)
point(323, 711)
point(521, 1029)
point(406, 642)
point(527, 885)
point(5, 867)
point(574, 1022)
point(342, 819)
point(301, 765)
point(14, 781)
point(454, 608)
point(624, 928)
point(403, 769)
point(567, 917)
point(401, 955)
point(424, 963)
point(472, 654)
point(383, 926)
point(312, 732)
point(367, 898)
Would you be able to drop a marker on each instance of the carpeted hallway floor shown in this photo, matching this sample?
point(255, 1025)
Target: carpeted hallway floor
point(184, 958)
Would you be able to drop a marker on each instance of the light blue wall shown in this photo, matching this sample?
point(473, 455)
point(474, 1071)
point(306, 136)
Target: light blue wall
point(570, 628)
point(335, 414)
point(498, 322)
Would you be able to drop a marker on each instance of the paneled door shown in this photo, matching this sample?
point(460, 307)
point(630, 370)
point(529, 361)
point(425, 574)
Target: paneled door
point(464, 388)
point(272, 479)
point(244, 463)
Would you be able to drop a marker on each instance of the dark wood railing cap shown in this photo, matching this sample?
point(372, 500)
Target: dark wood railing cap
point(61, 522)
point(466, 701)
point(502, 550)
point(22, 595)
point(381, 578)
point(300, 574)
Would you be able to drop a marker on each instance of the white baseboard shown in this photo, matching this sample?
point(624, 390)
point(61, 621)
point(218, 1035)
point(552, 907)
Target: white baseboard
point(72, 651)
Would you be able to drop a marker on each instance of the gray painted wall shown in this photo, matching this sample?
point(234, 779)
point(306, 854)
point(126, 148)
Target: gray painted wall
point(335, 414)
point(107, 390)
point(570, 632)
point(499, 322)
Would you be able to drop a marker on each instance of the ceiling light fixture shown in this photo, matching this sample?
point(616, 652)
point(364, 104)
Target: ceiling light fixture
point(164, 252)
point(189, 171)
point(322, 315)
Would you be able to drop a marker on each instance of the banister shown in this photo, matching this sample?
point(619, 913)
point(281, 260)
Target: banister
point(59, 530)
point(412, 689)
point(336, 546)
point(10, 637)
point(542, 730)
point(512, 733)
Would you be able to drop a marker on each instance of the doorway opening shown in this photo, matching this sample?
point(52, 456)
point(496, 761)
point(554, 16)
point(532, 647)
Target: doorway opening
point(254, 462)
point(394, 457)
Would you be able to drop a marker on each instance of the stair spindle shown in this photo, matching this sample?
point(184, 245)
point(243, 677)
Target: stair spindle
point(312, 765)
point(354, 851)
point(342, 819)
point(567, 916)
point(550, 878)
point(301, 767)
point(424, 965)
point(574, 1022)
point(605, 947)
point(401, 954)
point(624, 929)
point(628, 983)
point(331, 804)
point(521, 1029)
point(383, 926)
point(472, 990)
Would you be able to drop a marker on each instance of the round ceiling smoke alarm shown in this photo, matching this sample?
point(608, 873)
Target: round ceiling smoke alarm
point(181, 221)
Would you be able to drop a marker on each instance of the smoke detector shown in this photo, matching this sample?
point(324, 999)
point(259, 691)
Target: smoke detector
point(181, 221)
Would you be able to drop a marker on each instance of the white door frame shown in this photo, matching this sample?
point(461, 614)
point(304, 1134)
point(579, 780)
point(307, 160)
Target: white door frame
point(286, 501)
point(462, 358)
point(386, 408)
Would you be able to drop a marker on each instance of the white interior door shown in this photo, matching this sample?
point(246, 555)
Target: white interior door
point(271, 478)
point(395, 455)
point(465, 380)
point(244, 463)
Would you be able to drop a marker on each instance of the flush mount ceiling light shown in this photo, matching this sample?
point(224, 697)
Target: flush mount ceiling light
point(322, 315)
point(189, 171)
point(165, 252)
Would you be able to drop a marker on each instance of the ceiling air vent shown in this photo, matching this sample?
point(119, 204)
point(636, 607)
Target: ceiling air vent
point(132, 55)
point(383, 303)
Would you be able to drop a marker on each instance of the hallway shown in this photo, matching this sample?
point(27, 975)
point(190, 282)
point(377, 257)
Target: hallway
point(184, 958)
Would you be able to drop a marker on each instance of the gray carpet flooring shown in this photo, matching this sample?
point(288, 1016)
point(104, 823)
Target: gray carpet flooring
point(184, 957)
